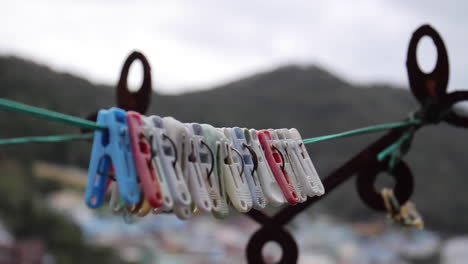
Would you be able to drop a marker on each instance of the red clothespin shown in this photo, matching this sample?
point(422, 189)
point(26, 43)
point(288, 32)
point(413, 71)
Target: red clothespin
point(143, 161)
point(276, 162)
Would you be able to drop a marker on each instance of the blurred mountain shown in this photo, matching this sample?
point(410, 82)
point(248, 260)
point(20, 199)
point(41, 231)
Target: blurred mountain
point(306, 97)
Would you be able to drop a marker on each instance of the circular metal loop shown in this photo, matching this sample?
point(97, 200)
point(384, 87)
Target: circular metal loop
point(427, 85)
point(404, 183)
point(136, 101)
point(452, 117)
point(276, 234)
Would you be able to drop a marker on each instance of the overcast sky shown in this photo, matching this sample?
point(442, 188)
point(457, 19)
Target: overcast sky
point(197, 44)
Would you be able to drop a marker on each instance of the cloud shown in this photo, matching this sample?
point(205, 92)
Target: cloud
point(194, 44)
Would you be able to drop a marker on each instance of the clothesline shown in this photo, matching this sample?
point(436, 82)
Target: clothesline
point(42, 113)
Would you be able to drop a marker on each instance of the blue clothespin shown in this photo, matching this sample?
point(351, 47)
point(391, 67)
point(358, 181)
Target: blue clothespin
point(111, 148)
point(237, 137)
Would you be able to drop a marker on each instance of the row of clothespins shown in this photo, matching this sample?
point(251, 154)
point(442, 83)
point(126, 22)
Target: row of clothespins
point(154, 164)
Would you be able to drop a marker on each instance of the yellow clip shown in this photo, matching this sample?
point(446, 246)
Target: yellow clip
point(142, 208)
point(405, 215)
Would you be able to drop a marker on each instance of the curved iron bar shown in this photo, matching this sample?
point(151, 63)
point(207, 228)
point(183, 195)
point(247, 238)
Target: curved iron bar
point(436, 105)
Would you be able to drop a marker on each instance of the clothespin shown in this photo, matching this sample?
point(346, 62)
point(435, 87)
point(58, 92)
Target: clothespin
point(188, 162)
point(208, 164)
point(294, 176)
point(142, 208)
point(203, 158)
point(216, 182)
point(405, 215)
point(309, 179)
point(167, 156)
point(270, 187)
point(118, 206)
point(197, 181)
point(250, 159)
point(146, 171)
point(177, 136)
point(236, 184)
point(112, 147)
point(275, 160)
point(164, 168)
point(307, 164)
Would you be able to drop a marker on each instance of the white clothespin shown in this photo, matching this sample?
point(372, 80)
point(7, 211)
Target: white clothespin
point(182, 207)
point(294, 153)
point(236, 184)
point(307, 163)
point(216, 181)
point(189, 163)
point(203, 159)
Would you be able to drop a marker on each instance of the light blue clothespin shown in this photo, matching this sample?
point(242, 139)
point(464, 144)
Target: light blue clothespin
point(167, 152)
point(249, 156)
point(111, 148)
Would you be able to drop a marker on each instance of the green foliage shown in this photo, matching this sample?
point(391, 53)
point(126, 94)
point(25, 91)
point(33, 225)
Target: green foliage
point(27, 216)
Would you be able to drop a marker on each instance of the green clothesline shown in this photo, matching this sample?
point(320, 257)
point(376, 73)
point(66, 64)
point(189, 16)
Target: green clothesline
point(365, 130)
point(16, 107)
point(46, 139)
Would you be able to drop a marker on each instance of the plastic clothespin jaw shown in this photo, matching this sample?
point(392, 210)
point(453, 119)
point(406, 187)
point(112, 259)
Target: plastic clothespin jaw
point(194, 168)
point(270, 187)
point(177, 134)
point(209, 141)
point(112, 147)
point(115, 203)
point(167, 156)
point(187, 167)
point(141, 209)
point(294, 175)
point(216, 182)
point(154, 139)
point(204, 154)
point(312, 176)
point(142, 156)
point(118, 206)
point(301, 162)
point(236, 185)
point(275, 160)
point(239, 142)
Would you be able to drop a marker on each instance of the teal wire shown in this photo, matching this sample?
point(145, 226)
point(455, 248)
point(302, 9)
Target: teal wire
point(392, 148)
point(16, 107)
point(46, 139)
point(364, 130)
point(12, 106)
